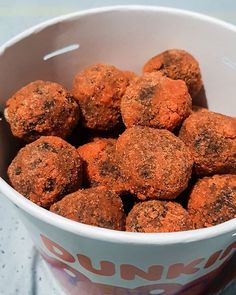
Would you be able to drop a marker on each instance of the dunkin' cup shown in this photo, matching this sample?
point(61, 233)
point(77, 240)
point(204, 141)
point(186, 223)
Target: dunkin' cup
point(87, 260)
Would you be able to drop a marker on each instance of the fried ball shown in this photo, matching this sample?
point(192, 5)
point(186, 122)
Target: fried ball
point(95, 206)
point(213, 200)
point(100, 166)
point(41, 108)
point(156, 163)
point(211, 138)
point(158, 216)
point(154, 100)
point(98, 90)
point(46, 170)
point(177, 64)
point(130, 75)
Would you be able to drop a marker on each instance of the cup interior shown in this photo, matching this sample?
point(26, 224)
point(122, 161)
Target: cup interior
point(125, 37)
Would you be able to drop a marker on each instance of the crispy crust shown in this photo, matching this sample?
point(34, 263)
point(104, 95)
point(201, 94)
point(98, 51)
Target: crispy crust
point(99, 162)
point(158, 216)
point(213, 200)
point(46, 170)
point(177, 64)
point(156, 101)
point(155, 162)
point(98, 90)
point(41, 108)
point(95, 206)
point(211, 137)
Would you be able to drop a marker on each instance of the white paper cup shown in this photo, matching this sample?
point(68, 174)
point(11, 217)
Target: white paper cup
point(91, 260)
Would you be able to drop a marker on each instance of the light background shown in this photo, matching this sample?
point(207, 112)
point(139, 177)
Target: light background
point(21, 270)
point(17, 15)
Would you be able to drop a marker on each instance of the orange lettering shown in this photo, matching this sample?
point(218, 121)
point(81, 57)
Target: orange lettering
point(107, 268)
point(57, 250)
point(63, 270)
point(212, 259)
point(228, 250)
point(128, 272)
point(177, 269)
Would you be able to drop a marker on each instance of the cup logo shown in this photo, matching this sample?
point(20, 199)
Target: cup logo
point(75, 282)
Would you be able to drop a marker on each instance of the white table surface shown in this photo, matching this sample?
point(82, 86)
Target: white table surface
point(22, 271)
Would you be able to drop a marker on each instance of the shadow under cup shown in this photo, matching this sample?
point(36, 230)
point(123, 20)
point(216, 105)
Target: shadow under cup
point(91, 261)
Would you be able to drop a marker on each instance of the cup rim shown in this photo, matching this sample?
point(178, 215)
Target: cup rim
point(74, 15)
point(98, 233)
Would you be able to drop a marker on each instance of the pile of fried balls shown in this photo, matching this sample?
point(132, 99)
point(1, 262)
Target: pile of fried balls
point(126, 152)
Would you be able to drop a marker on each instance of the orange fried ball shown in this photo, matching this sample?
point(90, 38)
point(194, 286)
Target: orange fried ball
point(156, 163)
point(41, 108)
point(154, 100)
point(158, 216)
point(177, 64)
point(46, 170)
point(211, 138)
point(98, 90)
point(213, 200)
point(95, 206)
point(100, 167)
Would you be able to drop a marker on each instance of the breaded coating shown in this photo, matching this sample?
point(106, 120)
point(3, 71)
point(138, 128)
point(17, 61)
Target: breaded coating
point(46, 170)
point(99, 163)
point(211, 138)
point(95, 206)
point(130, 75)
point(98, 90)
point(177, 64)
point(156, 163)
point(213, 200)
point(154, 100)
point(42, 108)
point(158, 216)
